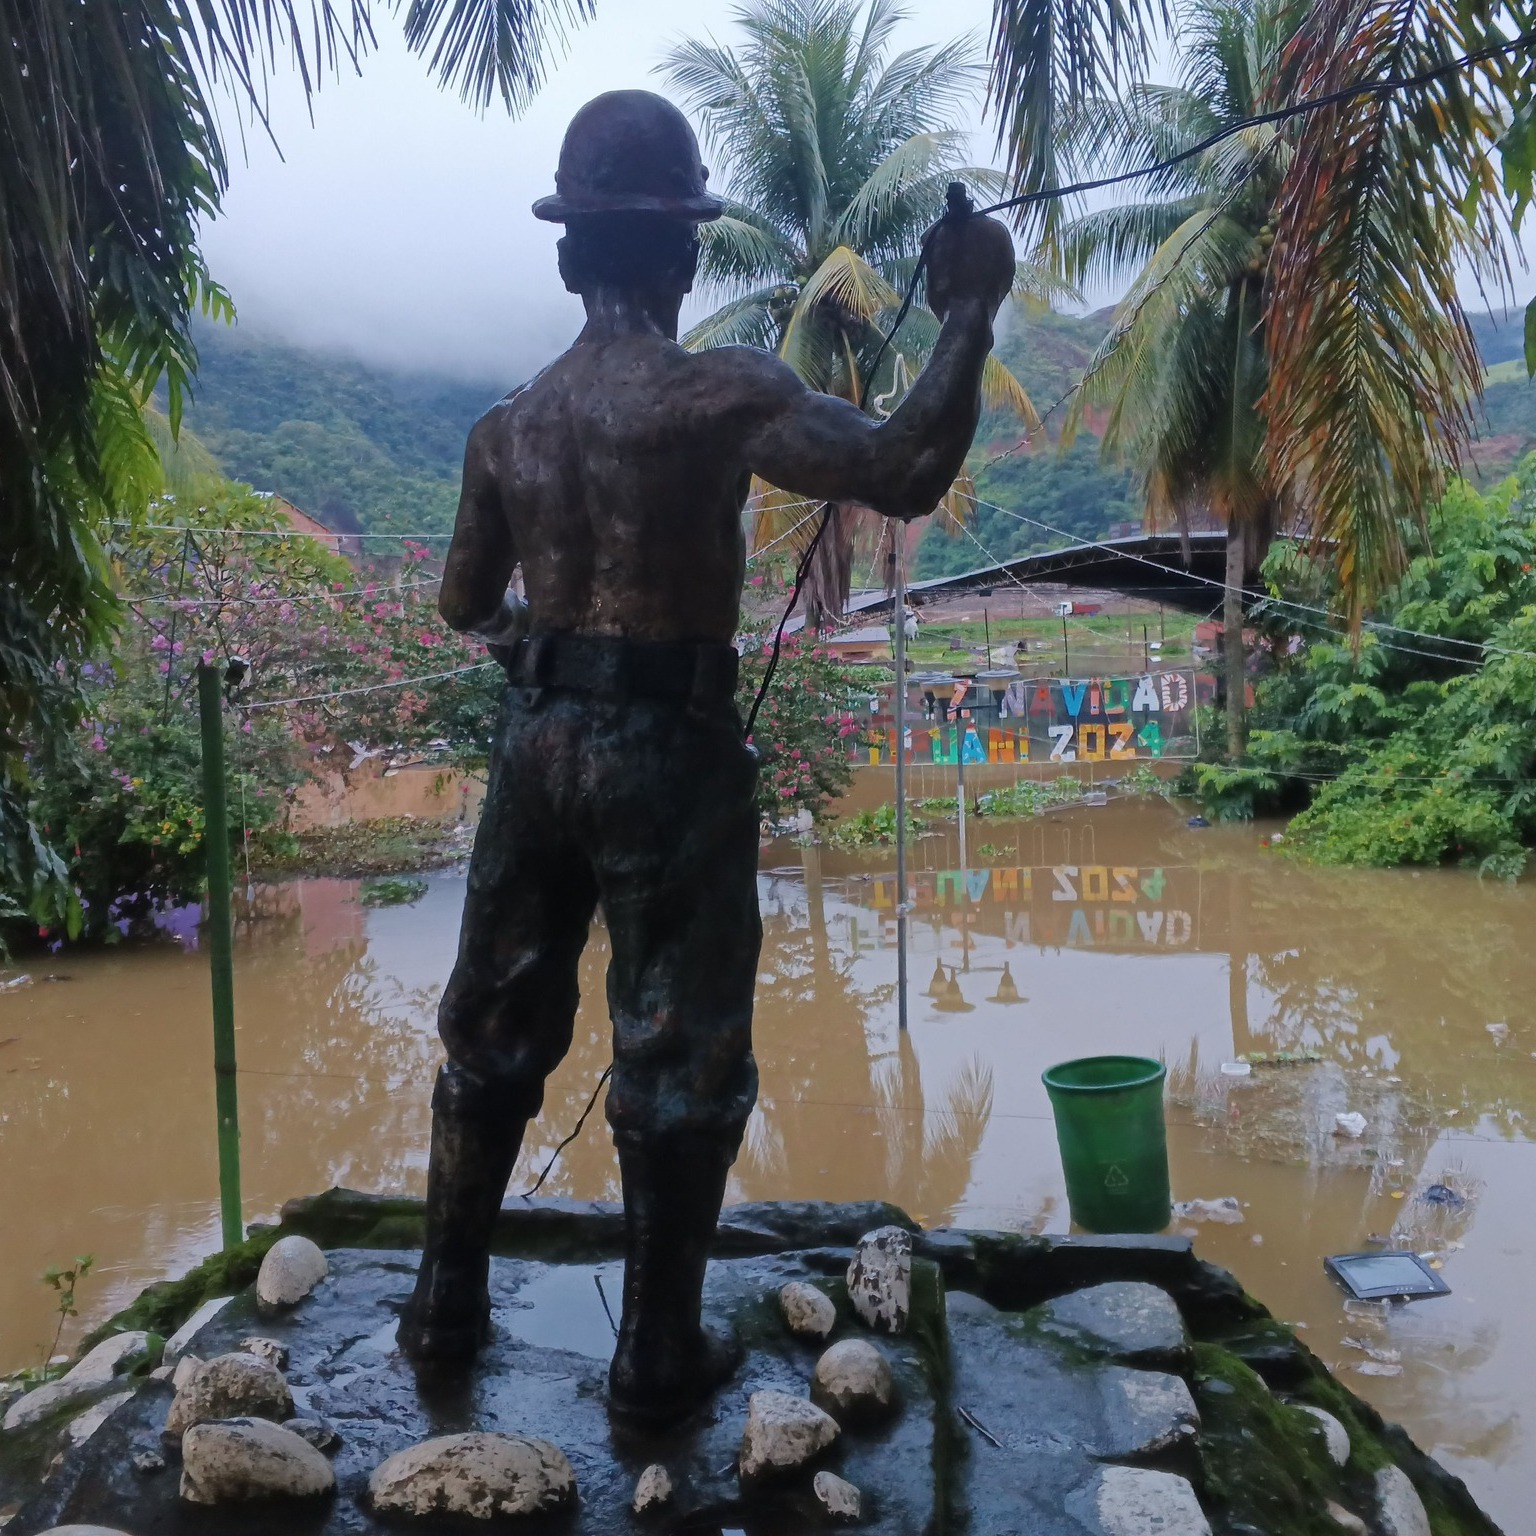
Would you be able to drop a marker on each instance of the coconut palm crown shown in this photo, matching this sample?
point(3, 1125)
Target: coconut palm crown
point(837, 153)
point(1182, 372)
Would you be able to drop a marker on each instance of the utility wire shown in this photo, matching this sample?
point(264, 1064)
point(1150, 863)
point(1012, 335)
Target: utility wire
point(343, 693)
point(1387, 87)
point(1265, 597)
point(379, 589)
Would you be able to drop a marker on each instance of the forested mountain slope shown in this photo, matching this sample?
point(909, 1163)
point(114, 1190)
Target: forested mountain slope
point(368, 448)
point(360, 447)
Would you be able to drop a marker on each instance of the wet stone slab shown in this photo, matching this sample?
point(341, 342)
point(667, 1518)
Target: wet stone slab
point(544, 1375)
point(1041, 1421)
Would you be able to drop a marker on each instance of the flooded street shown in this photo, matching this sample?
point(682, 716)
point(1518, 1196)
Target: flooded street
point(1406, 996)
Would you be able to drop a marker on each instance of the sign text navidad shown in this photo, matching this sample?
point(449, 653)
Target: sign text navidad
point(1056, 720)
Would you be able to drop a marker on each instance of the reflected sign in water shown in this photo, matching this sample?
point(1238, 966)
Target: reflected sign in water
point(1001, 718)
point(1064, 906)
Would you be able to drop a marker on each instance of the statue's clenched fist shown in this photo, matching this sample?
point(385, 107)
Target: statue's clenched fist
point(971, 259)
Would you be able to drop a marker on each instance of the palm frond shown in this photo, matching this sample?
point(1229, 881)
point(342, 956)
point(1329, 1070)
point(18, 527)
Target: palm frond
point(847, 280)
point(747, 321)
point(740, 249)
point(486, 48)
point(1001, 390)
point(1048, 55)
point(1373, 367)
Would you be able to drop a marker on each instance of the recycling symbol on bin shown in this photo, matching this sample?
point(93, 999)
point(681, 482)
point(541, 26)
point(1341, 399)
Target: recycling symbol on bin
point(1115, 1178)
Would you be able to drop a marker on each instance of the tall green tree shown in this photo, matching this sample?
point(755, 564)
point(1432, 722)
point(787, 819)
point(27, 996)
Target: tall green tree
point(1182, 372)
point(1384, 200)
point(110, 155)
point(837, 153)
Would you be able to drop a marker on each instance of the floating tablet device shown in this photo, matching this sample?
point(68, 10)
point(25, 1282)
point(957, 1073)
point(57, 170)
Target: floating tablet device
point(1388, 1276)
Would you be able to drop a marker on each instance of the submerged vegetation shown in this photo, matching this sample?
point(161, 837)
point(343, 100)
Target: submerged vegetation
point(1418, 745)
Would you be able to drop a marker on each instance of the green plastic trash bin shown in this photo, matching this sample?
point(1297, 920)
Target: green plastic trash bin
point(1114, 1146)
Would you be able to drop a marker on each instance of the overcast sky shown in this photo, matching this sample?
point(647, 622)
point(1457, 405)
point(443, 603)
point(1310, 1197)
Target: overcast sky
point(397, 225)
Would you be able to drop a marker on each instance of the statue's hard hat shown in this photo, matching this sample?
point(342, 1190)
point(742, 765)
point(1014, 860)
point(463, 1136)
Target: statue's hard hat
point(630, 152)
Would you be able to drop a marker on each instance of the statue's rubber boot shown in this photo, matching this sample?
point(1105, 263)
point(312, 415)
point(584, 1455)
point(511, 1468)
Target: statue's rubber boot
point(474, 1145)
point(666, 1362)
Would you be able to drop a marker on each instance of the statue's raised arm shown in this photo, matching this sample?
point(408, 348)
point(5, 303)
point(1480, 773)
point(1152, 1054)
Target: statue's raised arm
point(816, 445)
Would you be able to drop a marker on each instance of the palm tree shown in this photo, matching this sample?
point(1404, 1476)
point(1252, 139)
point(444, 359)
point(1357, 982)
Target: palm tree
point(1383, 198)
point(837, 156)
point(1182, 371)
point(110, 154)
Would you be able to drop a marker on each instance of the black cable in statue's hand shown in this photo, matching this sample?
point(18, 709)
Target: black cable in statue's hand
point(958, 205)
point(789, 608)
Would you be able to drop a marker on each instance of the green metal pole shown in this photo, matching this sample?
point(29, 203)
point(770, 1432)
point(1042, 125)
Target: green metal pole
point(220, 951)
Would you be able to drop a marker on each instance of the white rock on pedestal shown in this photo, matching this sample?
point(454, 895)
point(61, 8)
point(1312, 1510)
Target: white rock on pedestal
point(1347, 1521)
point(185, 1369)
point(1131, 1501)
point(87, 1378)
point(474, 1475)
point(235, 1462)
point(229, 1387)
point(783, 1433)
point(293, 1267)
point(880, 1279)
point(836, 1495)
point(1334, 1433)
point(853, 1383)
point(79, 1430)
point(275, 1354)
point(1399, 1509)
point(83, 1530)
point(176, 1346)
point(806, 1310)
point(653, 1491)
point(109, 1358)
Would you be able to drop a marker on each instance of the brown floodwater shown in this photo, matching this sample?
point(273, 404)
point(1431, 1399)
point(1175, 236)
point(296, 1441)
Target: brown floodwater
point(1122, 930)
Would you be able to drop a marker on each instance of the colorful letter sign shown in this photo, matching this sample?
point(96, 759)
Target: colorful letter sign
point(1045, 720)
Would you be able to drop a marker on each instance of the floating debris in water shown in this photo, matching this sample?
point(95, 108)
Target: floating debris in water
point(1373, 1351)
point(1280, 1058)
point(1351, 1123)
point(1225, 1211)
point(1442, 1194)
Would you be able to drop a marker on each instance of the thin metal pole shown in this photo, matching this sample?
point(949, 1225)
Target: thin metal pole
point(899, 608)
point(220, 951)
point(960, 783)
point(1066, 650)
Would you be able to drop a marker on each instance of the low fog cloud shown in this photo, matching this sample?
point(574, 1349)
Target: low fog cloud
point(397, 227)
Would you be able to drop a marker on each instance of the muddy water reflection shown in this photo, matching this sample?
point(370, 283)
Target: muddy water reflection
point(1120, 930)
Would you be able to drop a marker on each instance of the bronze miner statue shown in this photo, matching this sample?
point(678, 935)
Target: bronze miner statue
point(619, 777)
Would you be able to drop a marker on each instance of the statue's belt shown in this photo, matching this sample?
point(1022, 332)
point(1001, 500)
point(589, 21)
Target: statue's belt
point(696, 672)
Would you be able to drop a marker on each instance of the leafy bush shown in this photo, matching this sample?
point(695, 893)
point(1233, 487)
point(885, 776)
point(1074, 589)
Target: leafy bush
point(802, 728)
point(1418, 745)
point(872, 828)
point(125, 808)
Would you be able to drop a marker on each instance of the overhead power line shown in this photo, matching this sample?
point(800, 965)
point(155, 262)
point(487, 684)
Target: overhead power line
point(1265, 597)
point(1386, 87)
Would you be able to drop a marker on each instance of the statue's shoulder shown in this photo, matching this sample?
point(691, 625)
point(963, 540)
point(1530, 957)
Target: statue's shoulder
point(502, 418)
point(738, 376)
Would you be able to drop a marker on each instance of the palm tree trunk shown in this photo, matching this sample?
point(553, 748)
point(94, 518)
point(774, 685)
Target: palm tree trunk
point(1232, 643)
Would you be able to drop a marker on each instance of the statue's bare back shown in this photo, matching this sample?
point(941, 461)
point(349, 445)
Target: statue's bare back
point(616, 475)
